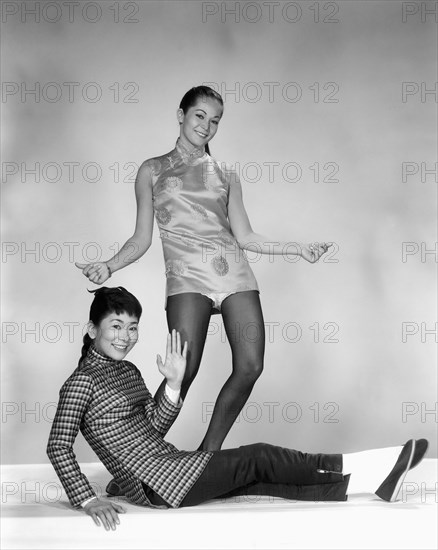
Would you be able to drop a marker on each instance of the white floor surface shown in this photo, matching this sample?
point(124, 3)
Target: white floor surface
point(36, 514)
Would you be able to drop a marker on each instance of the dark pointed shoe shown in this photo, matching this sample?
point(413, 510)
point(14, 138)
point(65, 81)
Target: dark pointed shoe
point(391, 486)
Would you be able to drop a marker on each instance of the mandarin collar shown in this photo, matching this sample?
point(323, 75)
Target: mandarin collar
point(189, 155)
point(102, 359)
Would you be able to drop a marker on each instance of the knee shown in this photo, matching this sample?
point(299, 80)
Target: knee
point(257, 451)
point(259, 448)
point(256, 369)
point(191, 371)
point(250, 370)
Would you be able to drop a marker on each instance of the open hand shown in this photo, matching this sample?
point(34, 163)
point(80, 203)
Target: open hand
point(104, 512)
point(97, 272)
point(313, 252)
point(174, 366)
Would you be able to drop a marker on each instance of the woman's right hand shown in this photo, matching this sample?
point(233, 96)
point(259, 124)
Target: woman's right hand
point(174, 366)
point(104, 512)
point(97, 272)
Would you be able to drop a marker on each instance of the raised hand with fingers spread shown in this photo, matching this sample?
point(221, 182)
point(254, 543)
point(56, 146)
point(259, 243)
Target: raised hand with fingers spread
point(174, 366)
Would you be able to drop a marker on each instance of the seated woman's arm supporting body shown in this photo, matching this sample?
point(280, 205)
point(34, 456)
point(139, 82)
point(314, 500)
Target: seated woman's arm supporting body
point(74, 398)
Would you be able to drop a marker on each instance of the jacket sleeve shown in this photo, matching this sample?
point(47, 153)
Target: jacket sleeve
point(74, 399)
point(163, 414)
point(159, 415)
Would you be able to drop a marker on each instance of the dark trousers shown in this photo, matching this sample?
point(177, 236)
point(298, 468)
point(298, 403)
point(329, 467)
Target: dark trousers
point(263, 469)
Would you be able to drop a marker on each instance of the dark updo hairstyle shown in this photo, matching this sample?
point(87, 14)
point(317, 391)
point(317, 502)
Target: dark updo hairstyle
point(106, 301)
point(199, 92)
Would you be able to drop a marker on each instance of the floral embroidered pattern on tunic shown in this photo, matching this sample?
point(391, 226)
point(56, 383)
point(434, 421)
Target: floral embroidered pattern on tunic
point(176, 268)
point(155, 166)
point(220, 265)
point(173, 184)
point(225, 238)
point(163, 215)
point(198, 212)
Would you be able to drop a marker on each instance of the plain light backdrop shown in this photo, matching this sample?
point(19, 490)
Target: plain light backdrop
point(342, 87)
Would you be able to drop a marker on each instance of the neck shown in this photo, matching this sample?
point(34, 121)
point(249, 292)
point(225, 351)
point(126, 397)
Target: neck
point(188, 149)
point(101, 357)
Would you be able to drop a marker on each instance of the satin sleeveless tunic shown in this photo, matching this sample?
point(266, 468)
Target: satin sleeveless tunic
point(190, 197)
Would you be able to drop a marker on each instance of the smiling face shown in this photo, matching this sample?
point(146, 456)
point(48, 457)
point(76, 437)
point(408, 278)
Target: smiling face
point(200, 123)
point(115, 335)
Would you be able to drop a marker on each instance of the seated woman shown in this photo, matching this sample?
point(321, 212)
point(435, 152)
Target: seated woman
point(106, 398)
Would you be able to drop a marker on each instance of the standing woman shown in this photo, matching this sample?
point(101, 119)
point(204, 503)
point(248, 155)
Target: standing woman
point(203, 227)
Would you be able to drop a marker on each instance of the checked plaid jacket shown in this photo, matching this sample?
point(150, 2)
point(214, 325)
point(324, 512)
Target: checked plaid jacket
point(109, 402)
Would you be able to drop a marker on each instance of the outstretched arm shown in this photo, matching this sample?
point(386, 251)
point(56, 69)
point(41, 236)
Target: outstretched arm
point(250, 240)
point(139, 243)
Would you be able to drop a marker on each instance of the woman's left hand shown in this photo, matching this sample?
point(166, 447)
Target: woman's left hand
point(174, 366)
point(313, 252)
